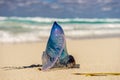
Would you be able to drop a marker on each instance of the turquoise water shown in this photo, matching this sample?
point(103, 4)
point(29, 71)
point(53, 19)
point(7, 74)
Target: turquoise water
point(38, 20)
point(24, 29)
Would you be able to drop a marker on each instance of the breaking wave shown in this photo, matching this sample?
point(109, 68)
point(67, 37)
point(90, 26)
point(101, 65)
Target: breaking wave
point(65, 20)
point(27, 29)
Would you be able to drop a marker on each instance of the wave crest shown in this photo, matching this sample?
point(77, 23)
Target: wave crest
point(60, 20)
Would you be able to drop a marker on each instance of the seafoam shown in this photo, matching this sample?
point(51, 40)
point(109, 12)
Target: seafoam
point(30, 29)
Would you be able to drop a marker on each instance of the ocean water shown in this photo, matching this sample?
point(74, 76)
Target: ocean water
point(28, 29)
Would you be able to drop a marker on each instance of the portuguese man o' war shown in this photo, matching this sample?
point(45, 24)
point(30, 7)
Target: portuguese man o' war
point(56, 54)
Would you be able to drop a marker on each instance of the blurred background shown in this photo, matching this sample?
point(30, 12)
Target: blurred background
point(31, 20)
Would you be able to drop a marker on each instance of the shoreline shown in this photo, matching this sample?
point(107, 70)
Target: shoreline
point(44, 39)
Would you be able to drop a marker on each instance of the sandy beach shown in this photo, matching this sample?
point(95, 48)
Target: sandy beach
point(93, 55)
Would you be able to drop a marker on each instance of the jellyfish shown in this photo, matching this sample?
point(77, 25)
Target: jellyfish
point(55, 54)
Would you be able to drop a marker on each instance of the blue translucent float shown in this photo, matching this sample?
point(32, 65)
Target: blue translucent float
point(56, 54)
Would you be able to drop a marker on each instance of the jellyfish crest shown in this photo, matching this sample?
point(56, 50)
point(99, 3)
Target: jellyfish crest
point(50, 57)
point(56, 46)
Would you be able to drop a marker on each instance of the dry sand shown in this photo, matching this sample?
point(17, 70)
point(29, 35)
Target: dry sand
point(93, 55)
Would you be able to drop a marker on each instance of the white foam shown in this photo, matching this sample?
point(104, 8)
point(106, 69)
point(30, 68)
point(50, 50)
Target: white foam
point(38, 35)
point(35, 32)
point(11, 38)
point(50, 20)
point(3, 18)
